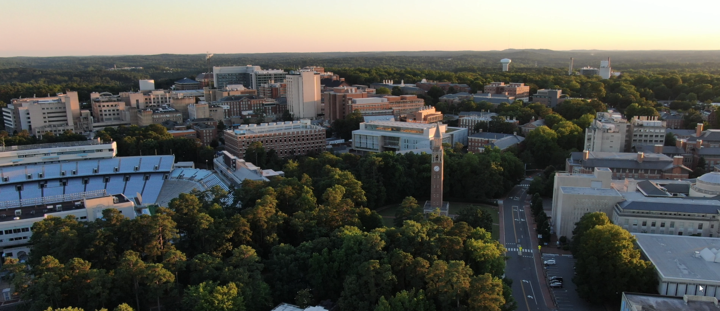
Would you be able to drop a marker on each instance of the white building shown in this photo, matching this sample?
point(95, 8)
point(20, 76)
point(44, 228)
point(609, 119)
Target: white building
point(234, 170)
point(685, 265)
point(303, 94)
point(605, 70)
point(379, 136)
point(55, 114)
point(56, 152)
point(608, 133)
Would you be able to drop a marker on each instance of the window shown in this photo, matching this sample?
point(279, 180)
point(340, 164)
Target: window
point(662, 224)
point(644, 223)
point(700, 225)
point(672, 224)
point(652, 224)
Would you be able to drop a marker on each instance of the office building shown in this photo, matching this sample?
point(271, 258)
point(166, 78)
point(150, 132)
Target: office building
point(517, 90)
point(303, 94)
point(647, 131)
point(54, 114)
point(548, 97)
point(224, 76)
point(269, 76)
point(286, 138)
point(381, 136)
point(685, 265)
point(336, 103)
point(159, 115)
point(108, 108)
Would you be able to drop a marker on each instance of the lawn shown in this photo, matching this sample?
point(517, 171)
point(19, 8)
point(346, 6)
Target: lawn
point(389, 211)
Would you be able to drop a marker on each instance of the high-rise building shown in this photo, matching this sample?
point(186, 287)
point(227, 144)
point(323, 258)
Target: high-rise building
point(336, 103)
point(303, 94)
point(605, 69)
point(224, 76)
point(55, 114)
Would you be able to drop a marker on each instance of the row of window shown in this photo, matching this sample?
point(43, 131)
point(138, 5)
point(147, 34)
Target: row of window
point(681, 225)
point(15, 231)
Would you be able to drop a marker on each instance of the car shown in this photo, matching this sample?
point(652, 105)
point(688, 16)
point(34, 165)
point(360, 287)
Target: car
point(556, 285)
point(549, 262)
point(556, 278)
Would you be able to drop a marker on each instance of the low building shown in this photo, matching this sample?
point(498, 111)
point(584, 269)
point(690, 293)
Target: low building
point(286, 138)
point(663, 214)
point(146, 117)
point(426, 114)
point(478, 141)
point(380, 136)
point(673, 120)
point(187, 84)
point(399, 106)
point(235, 170)
point(645, 302)
point(469, 119)
point(517, 90)
point(531, 126)
point(183, 133)
point(445, 86)
point(684, 265)
point(629, 165)
point(455, 98)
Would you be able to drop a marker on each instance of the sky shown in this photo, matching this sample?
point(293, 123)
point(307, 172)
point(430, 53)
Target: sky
point(135, 27)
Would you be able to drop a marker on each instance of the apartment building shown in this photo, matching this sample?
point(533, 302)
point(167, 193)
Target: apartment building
point(381, 136)
point(336, 103)
point(303, 94)
point(548, 97)
point(286, 138)
point(517, 90)
point(401, 107)
point(54, 114)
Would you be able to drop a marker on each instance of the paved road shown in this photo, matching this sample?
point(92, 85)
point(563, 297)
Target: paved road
point(522, 266)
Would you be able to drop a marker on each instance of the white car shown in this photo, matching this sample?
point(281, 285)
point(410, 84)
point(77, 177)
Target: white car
point(550, 262)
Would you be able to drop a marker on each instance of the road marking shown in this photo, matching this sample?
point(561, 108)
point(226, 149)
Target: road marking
point(515, 232)
point(524, 294)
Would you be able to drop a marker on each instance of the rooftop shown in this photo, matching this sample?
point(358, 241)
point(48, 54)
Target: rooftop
point(667, 303)
point(54, 145)
point(404, 124)
point(674, 257)
point(279, 127)
point(700, 206)
point(590, 191)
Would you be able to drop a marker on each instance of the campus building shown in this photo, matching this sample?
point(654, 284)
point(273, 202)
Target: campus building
point(478, 141)
point(54, 114)
point(235, 170)
point(401, 107)
point(517, 90)
point(303, 94)
point(380, 136)
point(628, 165)
point(286, 138)
point(548, 97)
point(336, 103)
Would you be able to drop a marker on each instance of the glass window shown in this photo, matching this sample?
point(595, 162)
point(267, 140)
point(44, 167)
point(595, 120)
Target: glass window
point(652, 224)
point(644, 223)
point(662, 224)
point(672, 224)
point(700, 226)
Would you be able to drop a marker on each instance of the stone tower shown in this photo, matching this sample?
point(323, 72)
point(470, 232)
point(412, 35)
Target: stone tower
point(436, 197)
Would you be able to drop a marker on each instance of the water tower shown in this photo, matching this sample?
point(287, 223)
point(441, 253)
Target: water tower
point(505, 63)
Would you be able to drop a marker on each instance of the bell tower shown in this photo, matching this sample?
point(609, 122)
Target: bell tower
point(436, 165)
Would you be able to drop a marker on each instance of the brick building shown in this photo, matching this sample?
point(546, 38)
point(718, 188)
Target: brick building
point(286, 138)
point(335, 103)
point(517, 90)
point(272, 90)
point(478, 141)
point(146, 117)
point(628, 165)
point(445, 86)
point(401, 107)
point(426, 114)
point(205, 133)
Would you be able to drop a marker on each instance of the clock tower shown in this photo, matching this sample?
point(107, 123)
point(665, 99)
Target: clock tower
point(436, 196)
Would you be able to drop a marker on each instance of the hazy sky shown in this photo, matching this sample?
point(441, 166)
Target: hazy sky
point(118, 27)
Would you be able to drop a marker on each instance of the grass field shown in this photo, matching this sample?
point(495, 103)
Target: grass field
point(388, 213)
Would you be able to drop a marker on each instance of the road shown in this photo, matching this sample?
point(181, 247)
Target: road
point(516, 236)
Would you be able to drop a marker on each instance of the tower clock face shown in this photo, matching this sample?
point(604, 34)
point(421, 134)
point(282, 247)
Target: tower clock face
point(437, 168)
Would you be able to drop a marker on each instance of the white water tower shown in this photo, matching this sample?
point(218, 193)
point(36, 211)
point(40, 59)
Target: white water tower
point(505, 63)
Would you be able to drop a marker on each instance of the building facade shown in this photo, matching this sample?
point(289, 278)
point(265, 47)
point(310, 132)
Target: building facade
point(303, 94)
point(629, 165)
point(401, 107)
point(517, 90)
point(224, 76)
point(336, 103)
point(146, 117)
point(478, 141)
point(54, 114)
point(548, 97)
point(286, 138)
point(380, 136)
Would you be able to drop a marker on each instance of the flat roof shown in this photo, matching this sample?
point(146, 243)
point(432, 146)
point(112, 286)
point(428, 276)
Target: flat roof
point(590, 191)
point(667, 303)
point(404, 124)
point(54, 145)
point(674, 204)
point(674, 257)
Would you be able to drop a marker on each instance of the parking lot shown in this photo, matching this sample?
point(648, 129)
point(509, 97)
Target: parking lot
point(566, 298)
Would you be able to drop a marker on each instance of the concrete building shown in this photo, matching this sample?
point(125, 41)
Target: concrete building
point(235, 170)
point(662, 214)
point(335, 103)
point(605, 71)
point(517, 90)
point(478, 141)
point(273, 90)
point(108, 108)
point(146, 85)
point(224, 76)
point(685, 265)
point(303, 94)
point(56, 152)
point(640, 302)
point(54, 114)
point(187, 84)
point(548, 97)
point(628, 165)
point(609, 132)
point(269, 76)
point(399, 106)
point(212, 95)
point(647, 131)
point(380, 136)
point(286, 138)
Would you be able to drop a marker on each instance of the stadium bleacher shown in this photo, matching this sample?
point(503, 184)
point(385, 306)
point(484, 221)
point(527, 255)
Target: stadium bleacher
point(152, 188)
point(53, 187)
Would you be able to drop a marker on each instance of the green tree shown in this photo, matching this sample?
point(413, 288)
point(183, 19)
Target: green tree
point(382, 91)
point(409, 209)
point(413, 300)
point(449, 281)
point(396, 91)
point(435, 92)
point(209, 296)
point(670, 139)
point(485, 293)
point(476, 218)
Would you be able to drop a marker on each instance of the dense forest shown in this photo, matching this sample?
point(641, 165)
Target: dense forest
point(307, 238)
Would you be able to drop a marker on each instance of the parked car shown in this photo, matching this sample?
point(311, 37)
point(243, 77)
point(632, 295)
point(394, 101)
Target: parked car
point(556, 285)
point(556, 278)
point(549, 262)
